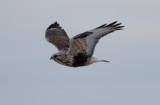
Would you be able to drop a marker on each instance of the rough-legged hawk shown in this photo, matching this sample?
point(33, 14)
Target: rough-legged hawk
point(78, 50)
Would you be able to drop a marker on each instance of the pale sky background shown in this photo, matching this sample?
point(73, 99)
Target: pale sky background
point(28, 77)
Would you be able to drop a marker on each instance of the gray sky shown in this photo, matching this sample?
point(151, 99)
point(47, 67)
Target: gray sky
point(28, 77)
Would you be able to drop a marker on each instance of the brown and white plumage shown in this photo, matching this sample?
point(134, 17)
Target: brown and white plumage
point(78, 50)
point(57, 36)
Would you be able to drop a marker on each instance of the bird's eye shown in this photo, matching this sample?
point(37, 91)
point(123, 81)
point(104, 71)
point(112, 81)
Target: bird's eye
point(55, 56)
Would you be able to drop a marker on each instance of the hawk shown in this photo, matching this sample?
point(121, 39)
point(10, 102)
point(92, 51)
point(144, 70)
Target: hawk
point(78, 50)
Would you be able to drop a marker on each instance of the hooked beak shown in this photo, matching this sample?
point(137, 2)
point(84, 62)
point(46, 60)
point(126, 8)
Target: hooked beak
point(51, 57)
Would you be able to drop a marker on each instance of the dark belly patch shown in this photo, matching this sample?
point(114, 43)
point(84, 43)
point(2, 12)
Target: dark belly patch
point(80, 59)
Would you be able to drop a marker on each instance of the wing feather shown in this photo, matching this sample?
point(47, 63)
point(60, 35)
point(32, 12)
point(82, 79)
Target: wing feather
point(57, 36)
point(88, 40)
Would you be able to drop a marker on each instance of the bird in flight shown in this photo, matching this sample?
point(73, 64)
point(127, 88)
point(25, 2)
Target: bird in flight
point(78, 50)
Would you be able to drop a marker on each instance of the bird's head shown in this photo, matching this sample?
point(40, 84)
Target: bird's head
point(58, 57)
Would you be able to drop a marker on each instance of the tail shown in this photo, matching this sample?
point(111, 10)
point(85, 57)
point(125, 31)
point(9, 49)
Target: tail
point(94, 60)
point(104, 61)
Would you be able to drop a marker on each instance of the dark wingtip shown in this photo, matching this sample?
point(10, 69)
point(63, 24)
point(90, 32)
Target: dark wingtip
point(101, 26)
point(116, 25)
point(119, 28)
point(54, 25)
point(112, 24)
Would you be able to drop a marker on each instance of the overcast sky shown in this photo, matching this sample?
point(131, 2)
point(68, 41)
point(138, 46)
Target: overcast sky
point(29, 77)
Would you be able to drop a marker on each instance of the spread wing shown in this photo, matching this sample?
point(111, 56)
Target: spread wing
point(57, 36)
point(88, 40)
